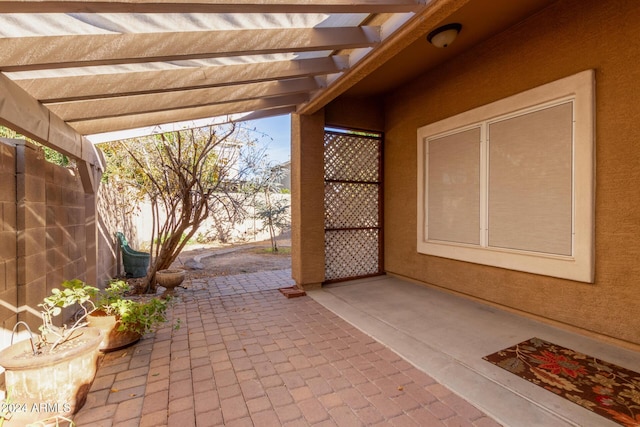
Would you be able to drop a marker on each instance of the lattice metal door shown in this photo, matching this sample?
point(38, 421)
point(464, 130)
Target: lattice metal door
point(352, 204)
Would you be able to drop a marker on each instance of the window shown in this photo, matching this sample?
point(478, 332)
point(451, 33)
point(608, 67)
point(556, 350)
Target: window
point(510, 184)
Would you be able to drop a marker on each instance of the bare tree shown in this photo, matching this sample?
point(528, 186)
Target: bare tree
point(272, 210)
point(186, 175)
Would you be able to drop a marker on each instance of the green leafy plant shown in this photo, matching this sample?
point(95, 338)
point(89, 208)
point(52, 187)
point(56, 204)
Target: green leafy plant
point(140, 315)
point(4, 413)
point(73, 292)
point(107, 299)
point(50, 155)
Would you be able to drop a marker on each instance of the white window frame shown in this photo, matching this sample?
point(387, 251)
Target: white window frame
point(579, 266)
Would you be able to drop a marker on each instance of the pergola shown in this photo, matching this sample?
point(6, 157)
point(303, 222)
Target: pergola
point(75, 68)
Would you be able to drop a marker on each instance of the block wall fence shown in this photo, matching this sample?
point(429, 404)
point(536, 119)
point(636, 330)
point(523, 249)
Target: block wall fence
point(43, 232)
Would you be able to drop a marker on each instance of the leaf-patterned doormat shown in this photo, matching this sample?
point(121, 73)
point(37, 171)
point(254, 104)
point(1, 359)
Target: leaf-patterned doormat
point(601, 387)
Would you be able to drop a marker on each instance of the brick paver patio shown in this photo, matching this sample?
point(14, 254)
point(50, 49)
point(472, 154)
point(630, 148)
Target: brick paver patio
point(245, 355)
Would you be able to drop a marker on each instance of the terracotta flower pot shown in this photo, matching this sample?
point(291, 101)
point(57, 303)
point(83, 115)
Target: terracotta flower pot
point(170, 279)
point(113, 338)
point(47, 385)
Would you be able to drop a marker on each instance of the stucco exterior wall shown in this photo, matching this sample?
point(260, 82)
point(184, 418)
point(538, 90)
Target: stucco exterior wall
point(567, 37)
point(307, 200)
point(356, 113)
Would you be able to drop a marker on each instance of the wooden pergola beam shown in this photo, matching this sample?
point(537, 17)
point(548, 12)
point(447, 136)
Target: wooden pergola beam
point(89, 127)
point(210, 6)
point(147, 103)
point(61, 89)
point(110, 49)
point(22, 113)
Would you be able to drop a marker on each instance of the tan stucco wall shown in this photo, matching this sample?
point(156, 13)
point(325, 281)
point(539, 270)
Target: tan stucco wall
point(307, 199)
point(356, 113)
point(567, 37)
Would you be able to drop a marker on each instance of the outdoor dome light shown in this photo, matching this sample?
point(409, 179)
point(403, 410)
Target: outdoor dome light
point(445, 35)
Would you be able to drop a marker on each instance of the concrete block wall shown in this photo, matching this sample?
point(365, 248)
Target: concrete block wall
point(31, 237)
point(42, 232)
point(65, 226)
point(8, 241)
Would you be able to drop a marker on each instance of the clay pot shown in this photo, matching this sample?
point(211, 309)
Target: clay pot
point(170, 279)
point(47, 385)
point(113, 338)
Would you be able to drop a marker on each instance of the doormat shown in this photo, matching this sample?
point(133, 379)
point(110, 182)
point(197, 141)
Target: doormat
point(292, 292)
point(601, 387)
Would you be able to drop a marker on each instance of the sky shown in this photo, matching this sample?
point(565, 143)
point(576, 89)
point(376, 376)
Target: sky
point(277, 133)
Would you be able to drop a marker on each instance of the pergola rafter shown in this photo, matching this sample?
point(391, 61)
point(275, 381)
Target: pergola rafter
point(145, 103)
point(210, 6)
point(94, 86)
point(102, 66)
point(112, 49)
point(189, 113)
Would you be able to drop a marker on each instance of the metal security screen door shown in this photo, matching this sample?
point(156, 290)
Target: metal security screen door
point(352, 204)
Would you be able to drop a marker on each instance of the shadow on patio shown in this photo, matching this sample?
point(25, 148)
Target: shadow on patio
point(247, 356)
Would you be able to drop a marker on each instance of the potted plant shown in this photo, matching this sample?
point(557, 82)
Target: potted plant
point(49, 375)
point(125, 319)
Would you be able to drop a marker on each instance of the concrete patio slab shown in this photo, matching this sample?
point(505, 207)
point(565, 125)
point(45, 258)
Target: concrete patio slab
point(447, 336)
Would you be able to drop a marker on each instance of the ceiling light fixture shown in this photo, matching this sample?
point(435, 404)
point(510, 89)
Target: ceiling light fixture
point(445, 35)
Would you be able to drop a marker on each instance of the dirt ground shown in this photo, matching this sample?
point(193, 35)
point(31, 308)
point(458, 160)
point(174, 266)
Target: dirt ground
point(201, 261)
point(228, 261)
